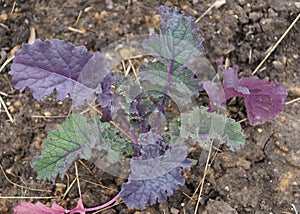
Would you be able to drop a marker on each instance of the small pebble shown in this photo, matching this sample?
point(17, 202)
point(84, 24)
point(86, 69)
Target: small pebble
point(11, 109)
point(282, 119)
point(47, 113)
point(17, 103)
point(278, 65)
point(3, 17)
point(37, 106)
point(174, 210)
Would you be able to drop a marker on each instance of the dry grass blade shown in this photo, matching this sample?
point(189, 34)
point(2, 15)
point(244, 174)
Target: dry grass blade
point(134, 72)
point(292, 101)
point(13, 7)
point(276, 44)
point(216, 4)
point(75, 30)
point(77, 178)
point(78, 17)
point(32, 35)
point(96, 184)
point(24, 187)
point(203, 178)
point(67, 191)
point(9, 59)
point(294, 208)
point(242, 120)
point(6, 110)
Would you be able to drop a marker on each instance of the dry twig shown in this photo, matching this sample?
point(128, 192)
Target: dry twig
point(18, 185)
point(6, 110)
point(272, 48)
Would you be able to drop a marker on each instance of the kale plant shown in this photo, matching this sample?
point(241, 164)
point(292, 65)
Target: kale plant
point(137, 136)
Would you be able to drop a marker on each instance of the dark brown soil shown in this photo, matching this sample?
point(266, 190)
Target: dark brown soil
point(263, 177)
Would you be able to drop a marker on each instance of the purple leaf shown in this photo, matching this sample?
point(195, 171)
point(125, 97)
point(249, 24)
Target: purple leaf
point(231, 79)
point(155, 175)
point(40, 208)
point(37, 208)
point(263, 99)
point(71, 70)
point(138, 193)
point(216, 95)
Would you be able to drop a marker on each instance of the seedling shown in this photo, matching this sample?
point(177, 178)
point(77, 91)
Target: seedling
point(135, 127)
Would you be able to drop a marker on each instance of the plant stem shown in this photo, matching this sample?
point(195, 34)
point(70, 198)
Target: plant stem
point(104, 205)
point(161, 107)
point(144, 128)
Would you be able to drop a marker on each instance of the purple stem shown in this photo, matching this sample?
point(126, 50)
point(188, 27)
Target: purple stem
point(161, 107)
point(144, 129)
point(131, 132)
point(104, 205)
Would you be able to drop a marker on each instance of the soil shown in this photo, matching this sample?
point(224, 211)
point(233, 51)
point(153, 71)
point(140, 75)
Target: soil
point(263, 177)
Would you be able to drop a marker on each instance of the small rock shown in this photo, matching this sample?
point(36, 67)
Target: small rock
point(273, 26)
point(272, 13)
point(3, 17)
point(174, 210)
point(242, 16)
point(278, 65)
point(293, 158)
point(100, 15)
point(17, 103)
point(11, 109)
point(244, 163)
point(168, 4)
point(37, 106)
point(219, 207)
point(109, 4)
point(164, 208)
point(60, 187)
point(47, 114)
point(255, 16)
point(89, 199)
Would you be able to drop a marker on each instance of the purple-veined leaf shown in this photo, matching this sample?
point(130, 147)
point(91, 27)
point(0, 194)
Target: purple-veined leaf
point(40, 208)
point(204, 127)
point(71, 70)
point(263, 99)
point(178, 40)
point(182, 84)
point(216, 95)
point(77, 138)
point(152, 177)
point(177, 45)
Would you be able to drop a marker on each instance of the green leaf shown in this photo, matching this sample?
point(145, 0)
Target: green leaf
point(182, 84)
point(178, 40)
point(204, 127)
point(76, 139)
